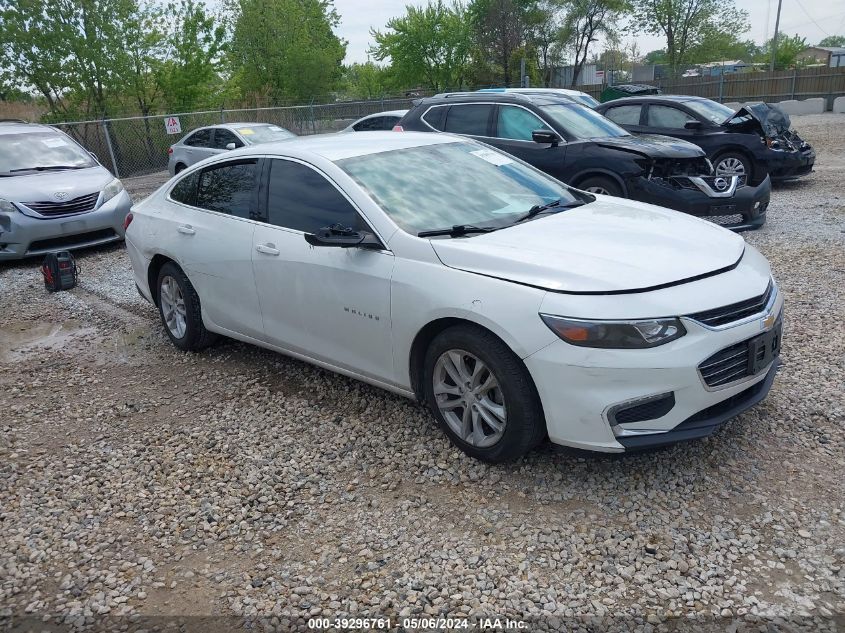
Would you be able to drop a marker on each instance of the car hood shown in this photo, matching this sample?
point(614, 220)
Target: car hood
point(44, 185)
point(770, 119)
point(652, 146)
point(607, 246)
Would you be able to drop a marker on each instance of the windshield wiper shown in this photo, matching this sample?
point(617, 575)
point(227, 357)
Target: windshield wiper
point(556, 205)
point(457, 231)
point(47, 168)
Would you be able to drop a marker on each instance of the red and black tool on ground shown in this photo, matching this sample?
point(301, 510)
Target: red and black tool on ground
point(60, 271)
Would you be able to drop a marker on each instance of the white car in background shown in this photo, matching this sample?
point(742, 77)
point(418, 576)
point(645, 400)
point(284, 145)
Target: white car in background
point(377, 122)
point(444, 270)
point(209, 141)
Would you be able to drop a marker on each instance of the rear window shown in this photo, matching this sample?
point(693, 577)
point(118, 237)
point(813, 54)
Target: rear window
point(472, 119)
point(41, 151)
point(200, 138)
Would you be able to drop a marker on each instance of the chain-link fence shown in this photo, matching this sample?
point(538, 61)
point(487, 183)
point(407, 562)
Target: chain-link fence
point(134, 146)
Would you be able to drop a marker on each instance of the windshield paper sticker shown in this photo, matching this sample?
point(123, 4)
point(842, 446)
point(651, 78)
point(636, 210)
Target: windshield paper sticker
point(246, 130)
point(494, 158)
point(275, 128)
point(54, 142)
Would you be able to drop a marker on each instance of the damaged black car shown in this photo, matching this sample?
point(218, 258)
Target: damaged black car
point(754, 141)
point(584, 149)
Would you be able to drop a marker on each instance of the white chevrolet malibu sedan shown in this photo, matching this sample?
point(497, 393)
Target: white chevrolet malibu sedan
point(515, 307)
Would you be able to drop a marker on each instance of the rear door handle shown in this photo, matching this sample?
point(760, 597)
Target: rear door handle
point(186, 229)
point(267, 249)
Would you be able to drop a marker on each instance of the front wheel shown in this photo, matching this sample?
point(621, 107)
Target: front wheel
point(732, 164)
point(179, 307)
point(482, 395)
point(603, 185)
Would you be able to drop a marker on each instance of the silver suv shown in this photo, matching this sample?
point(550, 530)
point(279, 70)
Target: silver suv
point(216, 139)
point(54, 195)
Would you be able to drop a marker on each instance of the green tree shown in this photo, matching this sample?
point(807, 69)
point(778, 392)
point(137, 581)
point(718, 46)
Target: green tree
point(720, 46)
point(368, 80)
point(428, 45)
point(833, 41)
point(787, 50)
point(686, 23)
point(585, 21)
point(286, 49)
point(501, 30)
point(189, 77)
point(72, 52)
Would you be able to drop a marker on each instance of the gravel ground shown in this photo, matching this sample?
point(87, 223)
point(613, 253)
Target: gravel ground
point(141, 487)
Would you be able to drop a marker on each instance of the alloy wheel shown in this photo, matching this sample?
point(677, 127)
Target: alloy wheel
point(469, 398)
point(173, 306)
point(599, 190)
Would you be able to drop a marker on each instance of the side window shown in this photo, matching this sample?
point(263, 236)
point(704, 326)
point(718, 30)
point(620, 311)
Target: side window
point(223, 137)
point(436, 117)
point(468, 119)
point(200, 138)
point(229, 188)
point(375, 123)
point(185, 191)
point(666, 116)
point(517, 123)
point(301, 198)
point(625, 115)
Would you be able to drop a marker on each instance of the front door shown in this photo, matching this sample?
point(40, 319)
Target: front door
point(332, 304)
point(514, 126)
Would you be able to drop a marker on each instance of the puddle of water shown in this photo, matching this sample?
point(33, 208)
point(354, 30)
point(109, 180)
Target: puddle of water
point(21, 338)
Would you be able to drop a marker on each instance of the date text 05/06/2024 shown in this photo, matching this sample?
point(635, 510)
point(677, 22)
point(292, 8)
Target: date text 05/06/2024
point(426, 623)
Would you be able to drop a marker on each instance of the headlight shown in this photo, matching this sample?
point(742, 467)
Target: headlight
point(7, 207)
point(779, 145)
point(111, 190)
point(615, 334)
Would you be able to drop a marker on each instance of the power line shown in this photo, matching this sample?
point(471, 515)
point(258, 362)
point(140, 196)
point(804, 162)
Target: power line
point(811, 17)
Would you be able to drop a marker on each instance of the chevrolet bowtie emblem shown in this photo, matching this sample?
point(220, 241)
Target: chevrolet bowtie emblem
point(769, 321)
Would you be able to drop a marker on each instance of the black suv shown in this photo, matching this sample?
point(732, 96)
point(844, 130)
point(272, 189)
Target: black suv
point(582, 148)
point(753, 141)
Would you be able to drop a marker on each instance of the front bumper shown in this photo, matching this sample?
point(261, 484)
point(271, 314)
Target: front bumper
point(22, 235)
point(746, 209)
point(790, 165)
point(582, 389)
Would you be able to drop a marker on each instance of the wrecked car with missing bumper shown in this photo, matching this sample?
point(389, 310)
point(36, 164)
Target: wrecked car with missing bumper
point(753, 142)
point(586, 150)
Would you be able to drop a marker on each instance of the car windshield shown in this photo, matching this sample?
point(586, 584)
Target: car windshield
point(34, 151)
point(255, 134)
point(448, 184)
point(582, 122)
point(710, 110)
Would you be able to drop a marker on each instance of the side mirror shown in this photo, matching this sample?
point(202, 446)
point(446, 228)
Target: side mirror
point(692, 125)
point(545, 136)
point(230, 146)
point(343, 237)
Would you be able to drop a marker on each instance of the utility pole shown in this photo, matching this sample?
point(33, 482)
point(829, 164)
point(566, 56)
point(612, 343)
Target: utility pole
point(775, 38)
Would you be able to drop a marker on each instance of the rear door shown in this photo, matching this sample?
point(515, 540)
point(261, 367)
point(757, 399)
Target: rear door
point(198, 146)
point(332, 304)
point(211, 233)
point(512, 132)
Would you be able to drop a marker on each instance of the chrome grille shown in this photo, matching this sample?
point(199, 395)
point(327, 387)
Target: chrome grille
point(81, 204)
point(735, 311)
point(726, 365)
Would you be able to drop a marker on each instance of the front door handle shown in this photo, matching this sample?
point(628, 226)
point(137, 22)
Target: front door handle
point(186, 229)
point(267, 249)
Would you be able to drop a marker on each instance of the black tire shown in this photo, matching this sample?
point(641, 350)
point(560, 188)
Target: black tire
point(179, 167)
point(747, 165)
point(525, 426)
point(606, 184)
point(196, 337)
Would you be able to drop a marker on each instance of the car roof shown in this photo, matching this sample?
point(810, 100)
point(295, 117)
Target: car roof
point(551, 91)
point(657, 98)
point(18, 127)
point(386, 113)
point(500, 97)
point(334, 147)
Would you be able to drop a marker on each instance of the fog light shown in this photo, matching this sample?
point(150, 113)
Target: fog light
point(756, 205)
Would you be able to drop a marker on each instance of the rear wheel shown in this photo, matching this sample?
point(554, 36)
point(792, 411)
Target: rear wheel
point(179, 167)
point(603, 185)
point(482, 395)
point(179, 307)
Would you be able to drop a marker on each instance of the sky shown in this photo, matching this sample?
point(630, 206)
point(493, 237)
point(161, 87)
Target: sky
point(811, 19)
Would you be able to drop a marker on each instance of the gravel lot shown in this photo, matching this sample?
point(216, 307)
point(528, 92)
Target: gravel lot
point(143, 488)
